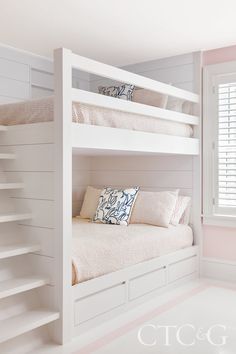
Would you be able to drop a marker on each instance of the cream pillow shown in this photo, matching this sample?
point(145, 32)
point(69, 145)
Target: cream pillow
point(150, 98)
point(154, 208)
point(185, 218)
point(90, 202)
point(180, 208)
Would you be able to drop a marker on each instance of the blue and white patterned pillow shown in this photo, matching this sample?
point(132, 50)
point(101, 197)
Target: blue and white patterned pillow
point(124, 91)
point(115, 205)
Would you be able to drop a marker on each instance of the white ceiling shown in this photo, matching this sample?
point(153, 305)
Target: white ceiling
point(118, 32)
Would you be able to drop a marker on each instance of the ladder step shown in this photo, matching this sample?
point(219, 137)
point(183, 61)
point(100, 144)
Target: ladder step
point(14, 217)
point(12, 185)
point(3, 128)
point(4, 156)
point(19, 285)
point(17, 250)
point(25, 322)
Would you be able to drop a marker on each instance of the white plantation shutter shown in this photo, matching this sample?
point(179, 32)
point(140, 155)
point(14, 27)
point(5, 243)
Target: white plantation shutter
point(226, 157)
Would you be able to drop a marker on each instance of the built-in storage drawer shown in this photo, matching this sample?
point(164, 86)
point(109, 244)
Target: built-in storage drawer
point(182, 268)
point(99, 303)
point(146, 283)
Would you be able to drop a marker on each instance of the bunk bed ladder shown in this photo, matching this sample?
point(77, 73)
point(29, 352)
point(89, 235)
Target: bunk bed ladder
point(12, 285)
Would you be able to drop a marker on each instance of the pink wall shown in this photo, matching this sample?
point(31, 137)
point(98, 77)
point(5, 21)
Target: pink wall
point(219, 242)
point(219, 55)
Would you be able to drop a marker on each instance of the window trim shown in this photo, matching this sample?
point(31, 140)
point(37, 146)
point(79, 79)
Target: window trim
point(211, 214)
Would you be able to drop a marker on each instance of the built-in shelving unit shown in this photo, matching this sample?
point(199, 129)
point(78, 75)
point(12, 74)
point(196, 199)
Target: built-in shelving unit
point(27, 321)
point(9, 217)
point(17, 250)
point(7, 156)
point(19, 285)
point(13, 185)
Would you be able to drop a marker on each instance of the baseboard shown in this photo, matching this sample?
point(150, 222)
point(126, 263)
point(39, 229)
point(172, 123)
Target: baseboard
point(218, 269)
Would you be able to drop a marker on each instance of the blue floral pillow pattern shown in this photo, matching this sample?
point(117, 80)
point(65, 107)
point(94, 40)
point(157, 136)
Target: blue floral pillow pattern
point(115, 205)
point(124, 91)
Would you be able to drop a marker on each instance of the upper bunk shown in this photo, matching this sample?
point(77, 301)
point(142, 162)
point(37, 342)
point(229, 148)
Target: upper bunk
point(92, 123)
point(95, 138)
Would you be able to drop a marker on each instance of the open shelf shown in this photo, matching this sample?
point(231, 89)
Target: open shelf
point(19, 285)
point(25, 322)
point(89, 138)
point(14, 217)
point(17, 250)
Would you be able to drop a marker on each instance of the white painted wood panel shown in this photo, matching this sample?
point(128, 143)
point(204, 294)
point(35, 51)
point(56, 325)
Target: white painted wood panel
point(42, 211)
point(14, 70)
point(182, 268)
point(110, 72)
point(14, 88)
point(99, 303)
point(37, 185)
point(146, 283)
point(26, 134)
point(109, 102)
point(37, 92)
point(42, 79)
point(39, 236)
point(169, 179)
point(142, 163)
point(38, 157)
point(92, 139)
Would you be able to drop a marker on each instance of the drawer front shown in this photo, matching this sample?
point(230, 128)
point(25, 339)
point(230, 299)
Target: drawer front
point(146, 283)
point(99, 303)
point(182, 268)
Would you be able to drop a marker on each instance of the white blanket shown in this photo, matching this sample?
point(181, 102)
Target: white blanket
point(42, 110)
point(99, 249)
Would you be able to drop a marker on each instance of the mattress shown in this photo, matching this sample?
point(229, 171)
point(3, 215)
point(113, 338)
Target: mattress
point(41, 110)
point(100, 249)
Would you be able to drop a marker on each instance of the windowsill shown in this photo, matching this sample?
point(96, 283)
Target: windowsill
point(219, 220)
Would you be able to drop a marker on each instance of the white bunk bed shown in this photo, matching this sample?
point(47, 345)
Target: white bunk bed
point(49, 151)
point(103, 297)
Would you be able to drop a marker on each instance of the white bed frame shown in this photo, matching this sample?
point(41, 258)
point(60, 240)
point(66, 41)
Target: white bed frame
point(105, 296)
point(43, 160)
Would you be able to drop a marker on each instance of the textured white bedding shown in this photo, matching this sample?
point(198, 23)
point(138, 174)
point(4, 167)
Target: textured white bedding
point(99, 249)
point(41, 110)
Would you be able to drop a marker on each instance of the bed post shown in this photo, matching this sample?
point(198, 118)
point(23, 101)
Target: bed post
point(63, 192)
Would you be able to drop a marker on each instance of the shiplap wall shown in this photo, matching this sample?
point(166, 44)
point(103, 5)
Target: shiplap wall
point(24, 75)
point(178, 71)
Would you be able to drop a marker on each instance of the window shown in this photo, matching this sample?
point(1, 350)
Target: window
point(226, 159)
point(219, 143)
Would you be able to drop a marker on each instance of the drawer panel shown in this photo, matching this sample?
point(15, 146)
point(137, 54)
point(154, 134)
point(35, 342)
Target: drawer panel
point(99, 303)
point(146, 283)
point(182, 268)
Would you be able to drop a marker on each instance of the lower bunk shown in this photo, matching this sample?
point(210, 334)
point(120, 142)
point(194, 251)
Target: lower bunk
point(119, 269)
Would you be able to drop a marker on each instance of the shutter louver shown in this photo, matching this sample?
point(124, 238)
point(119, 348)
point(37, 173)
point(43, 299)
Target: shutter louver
point(227, 145)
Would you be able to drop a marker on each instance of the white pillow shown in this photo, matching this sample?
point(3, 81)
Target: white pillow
point(185, 218)
point(178, 105)
point(154, 208)
point(90, 202)
point(150, 98)
point(115, 205)
point(182, 204)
